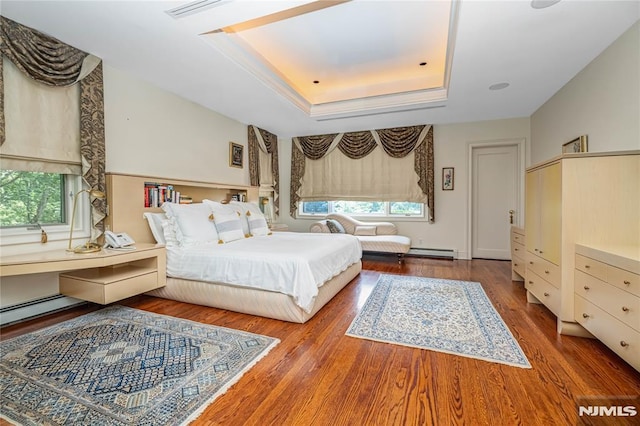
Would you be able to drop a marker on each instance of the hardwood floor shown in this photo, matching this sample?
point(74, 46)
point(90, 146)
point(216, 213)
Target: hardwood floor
point(319, 376)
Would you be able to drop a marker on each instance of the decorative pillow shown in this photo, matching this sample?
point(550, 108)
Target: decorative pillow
point(246, 210)
point(155, 224)
point(242, 212)
point(365, 230)
point(228, 225)
point(191, 223)
point(335, 227)
point(257, 224)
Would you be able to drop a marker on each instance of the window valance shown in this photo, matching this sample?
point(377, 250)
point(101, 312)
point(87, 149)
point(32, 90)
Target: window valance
point(319, 173)
point(56, 64)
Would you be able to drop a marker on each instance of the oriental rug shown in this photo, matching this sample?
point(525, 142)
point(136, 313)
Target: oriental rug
point(122, 366)
point(449, 316)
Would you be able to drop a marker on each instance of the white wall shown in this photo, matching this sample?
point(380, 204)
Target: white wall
point(451, 147)
point(601, 101)
point(152, 132)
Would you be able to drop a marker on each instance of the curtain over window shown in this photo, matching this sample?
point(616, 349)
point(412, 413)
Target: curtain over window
point(383, 165)
point(263, 163)
point(50, 123)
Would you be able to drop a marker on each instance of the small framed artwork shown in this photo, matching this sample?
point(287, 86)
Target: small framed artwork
point(447, 178)
point(236, 155)
point(577, 145)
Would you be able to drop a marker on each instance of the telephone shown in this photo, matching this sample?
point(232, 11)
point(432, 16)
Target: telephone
point(119, 240)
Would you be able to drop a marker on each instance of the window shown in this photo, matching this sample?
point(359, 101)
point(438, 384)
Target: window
point(362, 208)
point(30, 198)
point(30, 201)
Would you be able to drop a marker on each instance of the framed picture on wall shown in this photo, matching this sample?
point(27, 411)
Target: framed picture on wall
point(577, 145)
point(236, 155)
point(447, 178)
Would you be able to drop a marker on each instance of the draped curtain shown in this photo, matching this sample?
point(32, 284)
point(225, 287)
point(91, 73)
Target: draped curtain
point(401, 170)
point(56, 64)
point(263, 163)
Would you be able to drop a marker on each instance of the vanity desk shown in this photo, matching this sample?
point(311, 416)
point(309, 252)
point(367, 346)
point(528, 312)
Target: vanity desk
point(103, 277)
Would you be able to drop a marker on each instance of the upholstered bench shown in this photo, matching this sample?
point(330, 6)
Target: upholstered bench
point(375, 237)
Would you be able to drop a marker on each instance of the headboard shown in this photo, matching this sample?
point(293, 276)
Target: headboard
point(126, 200)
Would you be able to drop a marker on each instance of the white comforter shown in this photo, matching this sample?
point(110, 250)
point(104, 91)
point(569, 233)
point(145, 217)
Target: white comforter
point(292, 263)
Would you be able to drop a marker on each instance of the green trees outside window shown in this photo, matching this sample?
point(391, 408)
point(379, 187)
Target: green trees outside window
point(29, 198)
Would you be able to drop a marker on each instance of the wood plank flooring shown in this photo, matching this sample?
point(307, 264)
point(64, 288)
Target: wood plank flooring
point(319, 376)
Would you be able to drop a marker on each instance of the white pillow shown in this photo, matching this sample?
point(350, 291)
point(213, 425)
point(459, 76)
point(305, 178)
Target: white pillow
point(169, 234)
point(191, 223)
point(228, 225)
point(155, 224)
point(365, 230)
point(257, 224)
point(242, 213)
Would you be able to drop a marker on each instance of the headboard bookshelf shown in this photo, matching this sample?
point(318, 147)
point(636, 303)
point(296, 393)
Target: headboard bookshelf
point(126, 199)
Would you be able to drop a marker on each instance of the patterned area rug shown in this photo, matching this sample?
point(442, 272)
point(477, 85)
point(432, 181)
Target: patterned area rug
point(455, 317)
point(122, 366)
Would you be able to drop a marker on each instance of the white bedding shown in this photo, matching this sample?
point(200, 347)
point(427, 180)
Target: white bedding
point(292, 263)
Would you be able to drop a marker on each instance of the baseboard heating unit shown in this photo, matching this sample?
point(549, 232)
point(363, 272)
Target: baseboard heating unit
point(34, 308)
point(430, 252)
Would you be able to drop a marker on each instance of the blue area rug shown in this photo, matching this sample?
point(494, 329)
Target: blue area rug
point(122, 366)
point(449, 316)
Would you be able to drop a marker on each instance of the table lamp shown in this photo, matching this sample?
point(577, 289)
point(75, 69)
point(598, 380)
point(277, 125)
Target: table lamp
point(89, 246)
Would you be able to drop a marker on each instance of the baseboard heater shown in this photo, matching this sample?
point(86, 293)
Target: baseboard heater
point(431, 252)
point(34, 308)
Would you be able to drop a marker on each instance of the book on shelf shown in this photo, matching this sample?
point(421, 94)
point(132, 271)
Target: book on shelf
point(155, 194)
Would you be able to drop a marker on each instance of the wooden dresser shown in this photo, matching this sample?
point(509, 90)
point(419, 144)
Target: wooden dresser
point(518, 251)
point(607, 297)
point(591, 199)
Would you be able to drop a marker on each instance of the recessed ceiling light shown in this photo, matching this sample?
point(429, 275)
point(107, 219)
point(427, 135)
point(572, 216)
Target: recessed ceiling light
point(541, 4)
point(422, 64)
point(498, 86)
point(316, 82)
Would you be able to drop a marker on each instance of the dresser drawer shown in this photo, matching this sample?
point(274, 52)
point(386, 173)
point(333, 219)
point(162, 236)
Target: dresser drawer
point(518, 250)
point(624, 279)
point(545, 269)
point(543, 291)
point(518, 265)
point(621, 338)
point(592, 267)
point(517, 237)
point(619, 303)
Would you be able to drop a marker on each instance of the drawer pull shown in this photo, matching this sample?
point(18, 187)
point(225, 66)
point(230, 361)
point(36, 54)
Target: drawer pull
point(623, 343)
point(530, 262)
point(587, 266)
point(546, 294)
point(515, 264)
point(586, 287)
point(530, 282)
point(515, 249)
point(625, 309)
point(546, 272)
point(585, 315)
point(626, 282)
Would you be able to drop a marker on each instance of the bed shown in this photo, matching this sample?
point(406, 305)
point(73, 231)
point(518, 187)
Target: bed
point(282, 275)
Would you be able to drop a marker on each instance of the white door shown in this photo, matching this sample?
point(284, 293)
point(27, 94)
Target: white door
point(495, 199)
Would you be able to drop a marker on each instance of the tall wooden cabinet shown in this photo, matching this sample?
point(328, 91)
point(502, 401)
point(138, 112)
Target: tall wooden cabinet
point(576, 198)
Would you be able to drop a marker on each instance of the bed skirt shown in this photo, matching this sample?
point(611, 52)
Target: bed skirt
point(253, 301)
